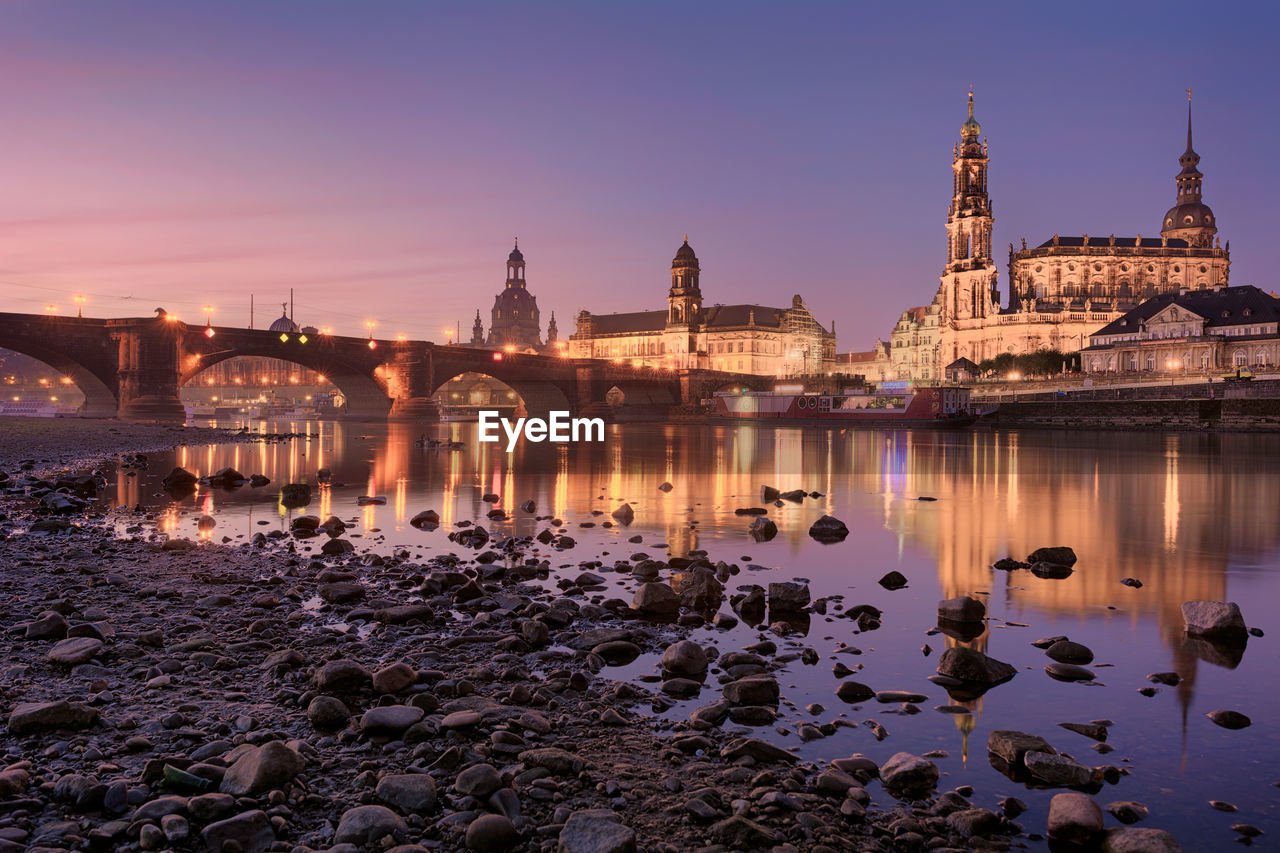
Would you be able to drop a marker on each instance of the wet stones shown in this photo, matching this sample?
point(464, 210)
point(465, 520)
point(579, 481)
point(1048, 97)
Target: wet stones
point(414, 793)
point(1220, 620)
point(1059, 555)
point(1128, 839)
point(50, 625)
point(33, 717)
point(970, 665)
point(1093, 731)
point(341, 592)
point(908, 775)
point(828, 530)
point(854, 692)
point(1075, 818)
point(1065, 651)
point(1068, 672)
point(179, 481)
point(656, 599)
point(258, 770)
point(295, 495)
point(595, 831)
point(1127, 811)
point(1051, 571)
point(752, 690)
point(760, 751)
point(699, 590)
point(788, 597)
point(614, 652)
point(964, 609)
point(401, 614)
point(684, 658)
point(893, 580)
point(370, 825)
point(426, 520)
point(624, 514)
point(1054, 769)
point(1010, 746)
point(1229, 719)
point(762, 529)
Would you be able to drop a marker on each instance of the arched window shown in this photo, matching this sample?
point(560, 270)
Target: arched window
point(1151, 361)
point(1204, 360)
point(1240, 358)
point(1260, 358)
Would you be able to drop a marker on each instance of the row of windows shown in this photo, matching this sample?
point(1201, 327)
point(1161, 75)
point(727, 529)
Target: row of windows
point(1150, 362)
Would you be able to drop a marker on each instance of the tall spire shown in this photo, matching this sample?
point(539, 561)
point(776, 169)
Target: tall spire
point(1190, 150)
point(970, 130)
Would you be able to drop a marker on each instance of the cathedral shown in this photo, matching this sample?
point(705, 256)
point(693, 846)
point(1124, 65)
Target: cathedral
point(1062, 290)
point(691, 334)
point(515, 323)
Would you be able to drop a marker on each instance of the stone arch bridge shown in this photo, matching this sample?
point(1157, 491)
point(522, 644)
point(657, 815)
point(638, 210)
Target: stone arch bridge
point(133, 368)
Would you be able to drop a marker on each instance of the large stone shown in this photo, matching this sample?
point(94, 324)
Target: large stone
point(656, 599)
point(596, 831)
point(1012, 746)
point(788, 596)
point(559, 761)
point(828, 530)
point(338, 676)
point(408, 792)
point(854, 692)
point(699, 590)
point(971, 665)
point(1132, 839)
point(390, 720)
point(341, 592)
point(752, 690)
point(1075, 818)
point(1060, 555)
point(491, 833)
point(478, 780)
point(762, 529)
point(394, 678)
point(180, 480)
point(1065, 651)
point(74, 651)
point(32, 717)
point(761, 751)
point(295, 494)
point(327, 713)
point(1057, 769)
point(49, 626)
point(269, 767)
point(250, 831)
point(907, 773)
point(684, 658)
point(962, 609)
point(369, 825)
point(1219, 619)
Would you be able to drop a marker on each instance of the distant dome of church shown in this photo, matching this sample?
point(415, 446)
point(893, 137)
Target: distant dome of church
point(516, 256)
point(685, 255)
point(284, 324)
point(1191, 214)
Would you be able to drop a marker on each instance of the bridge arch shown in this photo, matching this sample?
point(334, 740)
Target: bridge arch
point(366, 390)
point(538, 396)
point(95, 377)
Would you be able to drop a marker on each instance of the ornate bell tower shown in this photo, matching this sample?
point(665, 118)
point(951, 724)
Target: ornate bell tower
point(969, 278)
point(1190, 218)
point(684, 300)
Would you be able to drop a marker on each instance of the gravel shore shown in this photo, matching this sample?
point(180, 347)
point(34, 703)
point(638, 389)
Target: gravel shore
point(46, 444)
point(291, 693)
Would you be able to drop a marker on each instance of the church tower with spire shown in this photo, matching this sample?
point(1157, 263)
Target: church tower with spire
point(477, 331)
point(969, 278)
point(1190, 218)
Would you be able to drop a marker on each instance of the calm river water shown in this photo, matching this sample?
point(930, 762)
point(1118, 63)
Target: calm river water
point(1191, 516)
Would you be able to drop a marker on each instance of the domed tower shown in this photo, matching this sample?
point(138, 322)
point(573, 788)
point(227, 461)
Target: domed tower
point(515, 321)
point(1190, 219)
point(684, 300)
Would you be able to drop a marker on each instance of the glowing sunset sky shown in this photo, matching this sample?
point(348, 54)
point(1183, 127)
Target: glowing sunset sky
point(380, 156)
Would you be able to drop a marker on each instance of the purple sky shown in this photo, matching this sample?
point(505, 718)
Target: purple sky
point(379, 156)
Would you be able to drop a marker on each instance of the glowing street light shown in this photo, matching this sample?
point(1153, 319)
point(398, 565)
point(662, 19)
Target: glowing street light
point(402, 338)
point(369, 324)
point(208, 320)
point(79, 301)
point(448, 333)
point(51, 309)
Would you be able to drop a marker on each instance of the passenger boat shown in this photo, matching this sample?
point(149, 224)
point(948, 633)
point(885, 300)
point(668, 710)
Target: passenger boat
point(887, 406)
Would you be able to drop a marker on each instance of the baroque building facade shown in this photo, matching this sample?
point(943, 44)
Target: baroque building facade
point(737, 338)
point(1191, 331)
point(1060, 291)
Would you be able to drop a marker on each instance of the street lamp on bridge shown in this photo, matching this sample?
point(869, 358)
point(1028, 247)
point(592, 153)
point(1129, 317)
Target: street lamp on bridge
point(79, 301)
point(51, 309)
point(208, 320)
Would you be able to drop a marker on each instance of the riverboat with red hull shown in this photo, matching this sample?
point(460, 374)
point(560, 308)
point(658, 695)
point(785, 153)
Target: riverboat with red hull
point(889, 406)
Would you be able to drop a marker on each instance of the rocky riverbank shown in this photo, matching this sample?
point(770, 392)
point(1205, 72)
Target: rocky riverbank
point(50, 444)
point(166, 694)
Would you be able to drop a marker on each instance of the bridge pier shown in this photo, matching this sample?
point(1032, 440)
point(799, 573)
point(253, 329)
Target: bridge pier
point(416, 409)
point(410, 385)
point(148, 369)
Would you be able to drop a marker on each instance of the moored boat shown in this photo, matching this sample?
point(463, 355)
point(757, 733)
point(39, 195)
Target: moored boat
point(888, 405)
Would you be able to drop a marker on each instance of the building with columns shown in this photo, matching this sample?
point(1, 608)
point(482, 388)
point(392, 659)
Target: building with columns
point(689, 333)
point(1060, 291)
